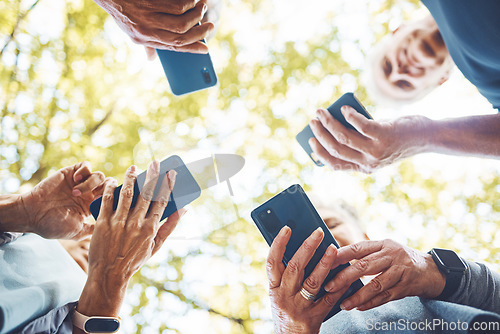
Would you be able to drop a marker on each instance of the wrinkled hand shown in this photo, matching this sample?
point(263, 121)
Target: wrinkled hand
point(125, 239)
point(402, 272)
point(376, 145)
point(292, 313)
point(56, 208)
point(162, 24)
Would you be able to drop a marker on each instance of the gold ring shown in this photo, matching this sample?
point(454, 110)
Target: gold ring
point(307, 295)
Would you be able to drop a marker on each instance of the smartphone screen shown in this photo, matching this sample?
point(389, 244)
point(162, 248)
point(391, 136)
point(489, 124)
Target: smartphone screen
point(292, 207)
point(346, 99)
point(186, 189)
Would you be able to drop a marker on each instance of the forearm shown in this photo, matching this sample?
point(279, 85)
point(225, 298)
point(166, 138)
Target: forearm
point(13, 216)
point(474, 136)
point(479, 288)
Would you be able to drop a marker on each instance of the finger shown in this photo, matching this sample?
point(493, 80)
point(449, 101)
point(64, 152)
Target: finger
point(362, 124)
point(166, 229)
point(197, 47)
point(313, 283)
point(148, 189)
point(343, 135)
point(394, 293)
point(172, 7)
point(274, 263)
point(161, 200)
point(327, 159)
point(332, 146)
point(193, 35)
point(107, 198)
point(150, 52)
point(126, 195)
point(179, 24)
point(378, 286)
point(325, 303)
point(83, 171)
point(352, 252)
point(294, 272)
point(92, 182)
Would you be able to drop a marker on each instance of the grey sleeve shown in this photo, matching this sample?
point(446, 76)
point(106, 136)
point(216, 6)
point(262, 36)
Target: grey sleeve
point(57, 321)
point(479, 288)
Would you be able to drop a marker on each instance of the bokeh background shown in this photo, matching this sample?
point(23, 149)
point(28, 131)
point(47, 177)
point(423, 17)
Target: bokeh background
point(73, 87)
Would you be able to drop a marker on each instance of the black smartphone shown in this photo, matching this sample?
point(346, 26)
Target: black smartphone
point(346, 99)
point(187, 72)
point(186, 189)
point(292, 207)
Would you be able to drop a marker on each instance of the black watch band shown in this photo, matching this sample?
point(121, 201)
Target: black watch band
point(452, 266)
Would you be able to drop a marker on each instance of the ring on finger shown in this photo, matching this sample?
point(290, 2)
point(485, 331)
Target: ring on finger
point(307, 295)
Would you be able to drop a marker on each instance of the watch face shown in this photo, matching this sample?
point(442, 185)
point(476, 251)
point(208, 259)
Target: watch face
point(101, 325)
point(450, 260)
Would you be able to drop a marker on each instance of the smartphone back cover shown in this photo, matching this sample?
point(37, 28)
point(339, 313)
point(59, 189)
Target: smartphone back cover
point(346, 99)
point(187, 72)
point(186, 189)
point(292, 207)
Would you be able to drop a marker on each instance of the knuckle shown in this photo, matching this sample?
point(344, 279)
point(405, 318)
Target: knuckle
point(100, 175)
point(375, 285)
point(127, 192)
point(343, 139)
point(181, 27)
point(385, 295)
point(155, 217)
point(312, 282)
point(330, 299)
point(107, 198)
point(293, 267)
point(356, 248)
point(308, 246)
point(179, 41)
point(361, 265)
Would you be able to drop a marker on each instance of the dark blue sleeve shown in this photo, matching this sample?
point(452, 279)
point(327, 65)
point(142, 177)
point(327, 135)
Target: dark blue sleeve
point(56, 321)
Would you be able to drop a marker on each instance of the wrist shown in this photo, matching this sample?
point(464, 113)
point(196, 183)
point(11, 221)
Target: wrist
point(436, 279)
point(102, 297)
point(14, 217)
point(419, 134)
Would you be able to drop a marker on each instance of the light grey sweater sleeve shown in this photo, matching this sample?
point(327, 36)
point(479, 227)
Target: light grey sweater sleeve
point(479, 288)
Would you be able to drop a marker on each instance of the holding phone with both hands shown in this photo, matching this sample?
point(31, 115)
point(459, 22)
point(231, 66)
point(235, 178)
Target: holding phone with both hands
point(347, 99)
point(292, 207)
point(186, 189)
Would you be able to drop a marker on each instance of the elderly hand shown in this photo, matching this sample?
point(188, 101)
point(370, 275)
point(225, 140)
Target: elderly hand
point(56, 207)
point(292, 312)
point(376, 145)
point(162, 24)
point(402, 272)
point(125, 239)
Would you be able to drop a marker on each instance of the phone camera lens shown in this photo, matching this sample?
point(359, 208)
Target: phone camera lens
point(206, 75)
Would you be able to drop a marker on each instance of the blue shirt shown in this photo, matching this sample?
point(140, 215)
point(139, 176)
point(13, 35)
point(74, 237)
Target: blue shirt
point(471, 32)
point(36, 276)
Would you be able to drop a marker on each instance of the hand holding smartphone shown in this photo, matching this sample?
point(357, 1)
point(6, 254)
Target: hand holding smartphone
point(186, 189)
point(291, 207)
point(346, 99)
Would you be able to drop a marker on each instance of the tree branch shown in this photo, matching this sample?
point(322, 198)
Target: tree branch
point(20, 17)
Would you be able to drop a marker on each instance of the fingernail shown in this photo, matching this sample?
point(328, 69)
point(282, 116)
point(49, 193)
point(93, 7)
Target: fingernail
point(78, 178)
point(184, 210)
point(285, 230)
point(346, 305)
point(329, 287)
point(330, 250)
point(132, 168)
point(76, 192)
point(171, 177)
point(317, 233)
point(205, 7)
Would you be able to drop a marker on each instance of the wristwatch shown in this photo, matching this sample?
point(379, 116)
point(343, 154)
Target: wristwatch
point(95, 324)
point(452, 266)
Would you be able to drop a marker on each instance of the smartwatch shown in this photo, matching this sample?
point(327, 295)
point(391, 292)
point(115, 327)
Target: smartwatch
point(95, 324)
point(452, 266)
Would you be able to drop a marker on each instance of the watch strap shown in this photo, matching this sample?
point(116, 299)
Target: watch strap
point(80, 320)
point(453, 280)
